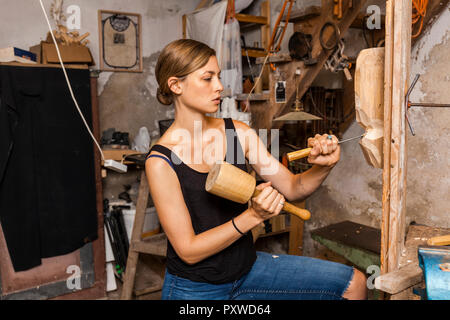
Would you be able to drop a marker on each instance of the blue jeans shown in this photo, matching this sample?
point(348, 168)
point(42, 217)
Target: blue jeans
point(272, 277)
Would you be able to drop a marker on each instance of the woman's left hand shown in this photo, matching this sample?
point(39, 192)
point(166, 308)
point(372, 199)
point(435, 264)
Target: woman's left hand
point(325, 150)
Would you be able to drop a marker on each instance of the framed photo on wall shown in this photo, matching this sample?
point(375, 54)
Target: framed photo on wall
point(120, 35)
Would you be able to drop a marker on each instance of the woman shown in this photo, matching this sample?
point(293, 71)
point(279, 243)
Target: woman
point(210, 251)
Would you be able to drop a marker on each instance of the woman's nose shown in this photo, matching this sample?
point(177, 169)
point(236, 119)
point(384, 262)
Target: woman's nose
point(219, 86)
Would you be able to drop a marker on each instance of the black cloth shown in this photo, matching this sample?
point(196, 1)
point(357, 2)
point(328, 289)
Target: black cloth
point(47, 181)
point(208, 211)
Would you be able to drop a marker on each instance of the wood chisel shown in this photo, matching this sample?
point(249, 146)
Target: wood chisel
point(299, 154)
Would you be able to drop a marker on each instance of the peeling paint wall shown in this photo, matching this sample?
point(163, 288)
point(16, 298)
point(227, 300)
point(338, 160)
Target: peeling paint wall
point(353, 190)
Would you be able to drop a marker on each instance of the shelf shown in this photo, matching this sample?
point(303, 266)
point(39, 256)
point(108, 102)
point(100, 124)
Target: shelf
point(298, 15)
point(253, 97)
point(275, 58)
point(254, 53)
point(288, 229)
point(118, 154)
point(247, 18)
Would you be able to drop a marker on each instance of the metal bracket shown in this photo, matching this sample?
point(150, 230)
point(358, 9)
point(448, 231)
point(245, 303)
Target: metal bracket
point(409, 104)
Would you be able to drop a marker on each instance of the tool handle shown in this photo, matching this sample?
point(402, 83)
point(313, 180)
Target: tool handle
point(439, 241)
point(299, 154)
point(288, 207)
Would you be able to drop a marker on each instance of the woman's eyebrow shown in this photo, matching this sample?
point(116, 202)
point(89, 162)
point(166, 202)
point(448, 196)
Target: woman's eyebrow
point(212, 72)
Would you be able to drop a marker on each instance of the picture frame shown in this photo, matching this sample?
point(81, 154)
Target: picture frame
point(120, 41)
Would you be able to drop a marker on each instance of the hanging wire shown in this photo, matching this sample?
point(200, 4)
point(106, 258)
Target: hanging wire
point(418, 14)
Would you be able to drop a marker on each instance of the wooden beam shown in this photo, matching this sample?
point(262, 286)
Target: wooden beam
point(401, 52)
point(388, 53)
point(399, 280)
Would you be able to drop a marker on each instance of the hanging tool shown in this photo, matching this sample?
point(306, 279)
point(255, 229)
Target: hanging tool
point(279, 31)
point(337, 9)
point(248, 58)
point(299, 154)
point(337, 60)
point(300, 48)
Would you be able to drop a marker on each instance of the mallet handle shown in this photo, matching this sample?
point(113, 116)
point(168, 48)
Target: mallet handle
point(299, 212)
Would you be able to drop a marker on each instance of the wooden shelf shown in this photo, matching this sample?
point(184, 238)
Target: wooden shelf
point(298, 15)
point(253, 97)
point(118, 154)
point(254, 53)
point(277, 58)
point(247, 18)
point(288, 229)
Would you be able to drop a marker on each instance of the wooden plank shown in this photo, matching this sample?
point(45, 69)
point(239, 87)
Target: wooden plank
point(389, 40)
point(247, 18)
point(400, 80)
point(155, 245)
point(252, 97)
point(296, 233)
point(265, 29)
point(133, 256)
point(399, 280)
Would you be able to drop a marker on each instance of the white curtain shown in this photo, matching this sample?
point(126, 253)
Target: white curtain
point(205, 26)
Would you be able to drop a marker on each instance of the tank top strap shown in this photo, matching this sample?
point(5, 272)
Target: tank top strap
point(235, 154)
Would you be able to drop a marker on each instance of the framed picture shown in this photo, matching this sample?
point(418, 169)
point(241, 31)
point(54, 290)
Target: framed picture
point(120, 36)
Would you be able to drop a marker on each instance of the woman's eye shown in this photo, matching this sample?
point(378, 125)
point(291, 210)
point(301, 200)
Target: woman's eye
point(207, 79)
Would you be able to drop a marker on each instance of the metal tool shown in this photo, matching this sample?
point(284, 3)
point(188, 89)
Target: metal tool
point(248, 58)
point(409, 104)
point(299, 154)
point(434, 261)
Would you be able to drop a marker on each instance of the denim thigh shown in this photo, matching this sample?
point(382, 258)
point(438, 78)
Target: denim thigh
point(288, 277)
point(178, 288)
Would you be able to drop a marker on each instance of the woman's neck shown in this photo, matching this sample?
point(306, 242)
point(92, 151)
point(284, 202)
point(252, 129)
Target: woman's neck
point(190, 120)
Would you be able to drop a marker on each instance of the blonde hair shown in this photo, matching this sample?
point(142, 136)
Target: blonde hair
point(178, 59)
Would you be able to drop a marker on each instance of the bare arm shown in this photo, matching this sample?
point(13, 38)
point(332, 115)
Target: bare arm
point(176, 222)
point(324, 156)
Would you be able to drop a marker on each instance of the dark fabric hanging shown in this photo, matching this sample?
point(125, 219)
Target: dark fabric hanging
point(47, 181)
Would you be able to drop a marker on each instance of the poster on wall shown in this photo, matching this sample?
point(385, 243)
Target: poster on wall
point(120, 41)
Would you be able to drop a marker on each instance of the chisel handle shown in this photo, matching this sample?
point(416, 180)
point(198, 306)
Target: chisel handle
point(439, 241)
point(288, 207)
point(299, 154)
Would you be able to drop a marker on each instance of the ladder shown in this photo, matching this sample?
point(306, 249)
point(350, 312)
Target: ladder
point(155, 245)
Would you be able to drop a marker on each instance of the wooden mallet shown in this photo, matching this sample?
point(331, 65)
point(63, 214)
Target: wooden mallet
point(229, 182)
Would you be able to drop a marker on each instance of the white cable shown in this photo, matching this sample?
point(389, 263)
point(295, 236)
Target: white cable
point(68, 83)
point(259, 79)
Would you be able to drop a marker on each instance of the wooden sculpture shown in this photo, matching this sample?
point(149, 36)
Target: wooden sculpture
point(229, 182)
point(369, 103)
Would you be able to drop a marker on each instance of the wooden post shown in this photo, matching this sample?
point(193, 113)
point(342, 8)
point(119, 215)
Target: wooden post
point(388, 47)
point(398, 41)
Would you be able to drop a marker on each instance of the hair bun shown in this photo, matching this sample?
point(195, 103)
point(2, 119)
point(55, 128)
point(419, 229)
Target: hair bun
point(164, 98)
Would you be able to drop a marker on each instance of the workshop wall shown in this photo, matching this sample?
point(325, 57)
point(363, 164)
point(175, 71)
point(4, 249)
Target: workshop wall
point(353, 190)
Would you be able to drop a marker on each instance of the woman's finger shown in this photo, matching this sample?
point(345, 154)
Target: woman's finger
point(276, 203)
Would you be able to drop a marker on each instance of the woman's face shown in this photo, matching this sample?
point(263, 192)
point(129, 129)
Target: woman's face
point(201, 89)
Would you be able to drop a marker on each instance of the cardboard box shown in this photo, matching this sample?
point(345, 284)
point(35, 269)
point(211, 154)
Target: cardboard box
point(72, 54)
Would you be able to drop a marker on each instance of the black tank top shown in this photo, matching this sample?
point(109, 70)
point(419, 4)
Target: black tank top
point(208, 211)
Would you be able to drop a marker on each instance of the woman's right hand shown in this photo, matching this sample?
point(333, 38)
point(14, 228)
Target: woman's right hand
point(268, 203)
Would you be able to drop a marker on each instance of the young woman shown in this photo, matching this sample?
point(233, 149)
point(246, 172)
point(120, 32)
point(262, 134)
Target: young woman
point(210, 252)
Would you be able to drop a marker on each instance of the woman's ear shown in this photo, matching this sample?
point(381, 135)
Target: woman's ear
point(174, 85)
